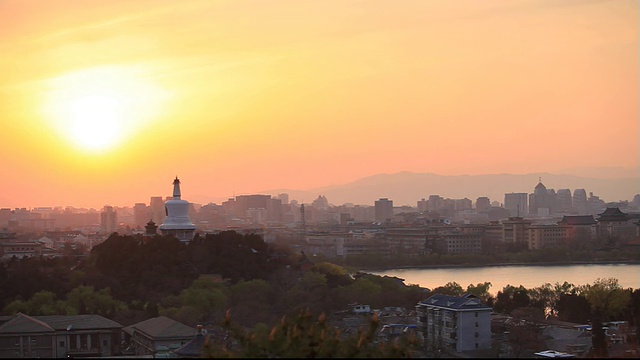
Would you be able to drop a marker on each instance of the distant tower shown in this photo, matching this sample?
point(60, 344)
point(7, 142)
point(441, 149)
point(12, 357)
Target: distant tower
point(538, 201)
point(383, 210)
point(304, 224)
point(108, 220)
point(483, 204)
point(140, 214)
point(177, 222)
point(579, 201)
point(156, 209)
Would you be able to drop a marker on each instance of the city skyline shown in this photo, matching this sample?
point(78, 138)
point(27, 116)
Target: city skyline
point(410, 190)
point(105, 103)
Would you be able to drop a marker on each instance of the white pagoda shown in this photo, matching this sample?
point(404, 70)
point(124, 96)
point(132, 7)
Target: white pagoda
point(177, 222)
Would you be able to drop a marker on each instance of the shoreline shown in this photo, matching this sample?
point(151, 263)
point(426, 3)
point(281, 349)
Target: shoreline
point(548, 263)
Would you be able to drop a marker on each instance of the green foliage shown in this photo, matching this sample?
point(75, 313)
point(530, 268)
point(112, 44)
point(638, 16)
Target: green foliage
point(511, 298)
point(450, 288)
point(304, 337)
point(481, 290)
point(607, 299)
point(81, 300)
point(606, 295)
point(41, 303)
point(199, 302)
point(88, 301)
point(362, 290)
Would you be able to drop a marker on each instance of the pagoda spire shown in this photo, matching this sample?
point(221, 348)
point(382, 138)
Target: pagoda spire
point(176, 189)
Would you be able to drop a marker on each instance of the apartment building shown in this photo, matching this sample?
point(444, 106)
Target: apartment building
point(451, 323)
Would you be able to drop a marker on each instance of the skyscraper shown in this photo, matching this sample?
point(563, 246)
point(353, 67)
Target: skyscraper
point(580, 201)
point(565, 203)
point(539, 201)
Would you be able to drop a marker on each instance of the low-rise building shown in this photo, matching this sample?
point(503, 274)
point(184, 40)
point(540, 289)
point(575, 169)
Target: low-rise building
point(58, 336)
point(150, 336)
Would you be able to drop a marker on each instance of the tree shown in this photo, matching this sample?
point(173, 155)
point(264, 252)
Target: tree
point(201, 301)
point(85, 300)
point(450, 288)
point(41, 303)
point(607, 299)
point(573, 308)
point(511, 298)
point(302, 336)
point(481, 290)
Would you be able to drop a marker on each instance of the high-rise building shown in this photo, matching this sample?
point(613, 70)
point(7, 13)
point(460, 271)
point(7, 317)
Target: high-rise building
point(435, 202)
point(177, 222)
point(483, 204)
point(463, 204)
point(156, 208)
point(565, 203)
point(423, 205)
point(140, 215)
point(516, 203)
point(540, 200)
point(579, 201)
point(595, 205)
point(108, 220)
point(383, 210)
point(552, 201)
point(284, 198)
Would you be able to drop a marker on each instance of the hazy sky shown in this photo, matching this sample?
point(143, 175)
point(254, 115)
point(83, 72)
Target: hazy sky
point(105, 101)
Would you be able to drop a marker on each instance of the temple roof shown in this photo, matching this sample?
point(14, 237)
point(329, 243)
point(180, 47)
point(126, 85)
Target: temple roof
point(613, 214)
point(577, 220)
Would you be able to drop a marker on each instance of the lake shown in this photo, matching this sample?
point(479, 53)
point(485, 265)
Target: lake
point(529, 276)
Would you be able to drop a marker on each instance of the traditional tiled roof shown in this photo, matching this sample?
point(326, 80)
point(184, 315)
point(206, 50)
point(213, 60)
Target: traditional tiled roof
point(162, 327)
point(464, 302)
point(577, 220)
point(22, 323)
point(612, 214)
point(193, 348)
point(78, 322)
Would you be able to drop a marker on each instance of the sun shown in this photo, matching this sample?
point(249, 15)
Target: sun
point(97, 109)
point(96, 122)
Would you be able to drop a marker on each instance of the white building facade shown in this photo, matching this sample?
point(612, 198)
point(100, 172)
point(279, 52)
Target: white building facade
point(452, 323)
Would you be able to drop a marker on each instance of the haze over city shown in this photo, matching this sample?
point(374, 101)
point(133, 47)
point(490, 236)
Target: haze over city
point(106, 102)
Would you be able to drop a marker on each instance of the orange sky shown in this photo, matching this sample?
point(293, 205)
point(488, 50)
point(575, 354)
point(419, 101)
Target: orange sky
point(245, 96)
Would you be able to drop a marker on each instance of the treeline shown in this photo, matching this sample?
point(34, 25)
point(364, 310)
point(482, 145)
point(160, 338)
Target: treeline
point(129, 279)
point(237, 276)
point(522, 256)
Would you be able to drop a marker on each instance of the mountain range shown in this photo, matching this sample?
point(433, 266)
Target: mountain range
point(406, 188)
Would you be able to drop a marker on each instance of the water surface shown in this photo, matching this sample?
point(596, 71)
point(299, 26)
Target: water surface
point(628, 275)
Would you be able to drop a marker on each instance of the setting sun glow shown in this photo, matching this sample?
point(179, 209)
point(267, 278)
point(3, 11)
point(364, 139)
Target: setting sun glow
point(113, 97)
point(97, 109)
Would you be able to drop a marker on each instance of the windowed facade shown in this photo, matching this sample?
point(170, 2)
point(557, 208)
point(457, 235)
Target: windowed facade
point(454, 324)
